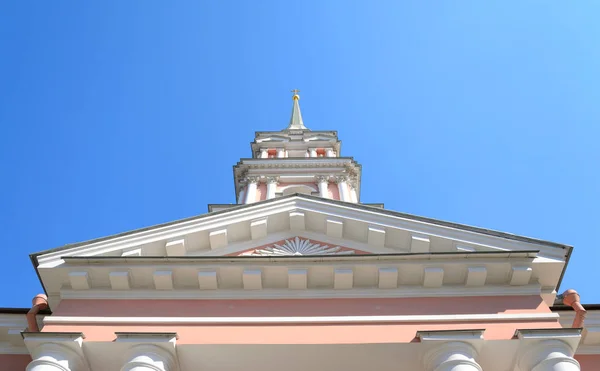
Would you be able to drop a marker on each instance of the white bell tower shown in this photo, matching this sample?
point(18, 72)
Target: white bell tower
point(296, 160)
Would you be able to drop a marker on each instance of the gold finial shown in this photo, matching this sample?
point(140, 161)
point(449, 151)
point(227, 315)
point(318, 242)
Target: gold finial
point(296, 96)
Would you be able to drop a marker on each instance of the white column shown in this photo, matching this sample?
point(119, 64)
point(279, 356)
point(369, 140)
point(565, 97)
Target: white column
point(353, 194)
point(271, 186)
point(264, 153)
point(251, 189)
point(329, 152)
point(342, 182)
point(452, 356)
point(313, 152)
point(54, 357)
point(241, 199)
point(323, 182)
point(148, 358)
point(280, 152)
point(549, 355)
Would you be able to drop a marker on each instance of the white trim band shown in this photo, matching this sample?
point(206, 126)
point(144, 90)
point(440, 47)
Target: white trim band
point(303, 320)
point(405, 292)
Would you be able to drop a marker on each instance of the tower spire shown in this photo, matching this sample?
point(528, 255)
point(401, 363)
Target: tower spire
point(296, 122)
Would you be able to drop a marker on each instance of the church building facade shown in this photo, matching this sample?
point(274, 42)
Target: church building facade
point(300, 275)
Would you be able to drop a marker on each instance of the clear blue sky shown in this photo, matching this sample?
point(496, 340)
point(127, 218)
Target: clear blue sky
point(118, 115)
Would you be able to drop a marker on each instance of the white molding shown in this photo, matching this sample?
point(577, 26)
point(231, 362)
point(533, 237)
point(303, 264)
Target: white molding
point(252, 279)
point(476, 276)
point(408, 292)
point(218, 239)
point(388, 278)
point(119, 280)
point(297, 279)
point(297, 222)
point(163, 280)
point(258, 229)
point(419, 244)
point(334, 228)
point(176, 248)
point(520, 275)
point(79, 280)
point(500, 317)
point(433, 277)
point(207, 280)
point(376, 236)
point(343, 279)
point(222, 220)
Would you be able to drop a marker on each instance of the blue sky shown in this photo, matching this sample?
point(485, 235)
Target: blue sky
point(118, 115)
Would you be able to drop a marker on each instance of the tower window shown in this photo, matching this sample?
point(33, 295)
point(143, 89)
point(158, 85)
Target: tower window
point(320, 152)
point(272, 152)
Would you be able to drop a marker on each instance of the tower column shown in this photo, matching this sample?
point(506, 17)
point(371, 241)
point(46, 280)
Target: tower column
point(342, 182)
point(549, 355)
point(452, 356)
point(353, 192)
point(313, 152)
point(323, 182)
point(251, 189)
point(271, 186)
point(264, 153)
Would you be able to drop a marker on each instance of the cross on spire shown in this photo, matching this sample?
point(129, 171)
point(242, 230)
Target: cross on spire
point(296, 122)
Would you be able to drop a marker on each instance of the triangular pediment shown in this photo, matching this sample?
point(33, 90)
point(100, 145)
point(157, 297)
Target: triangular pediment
point(323, 222)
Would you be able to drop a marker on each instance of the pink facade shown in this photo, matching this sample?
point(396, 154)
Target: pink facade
point(14, 362)
point(334, 192)
point(303, 308)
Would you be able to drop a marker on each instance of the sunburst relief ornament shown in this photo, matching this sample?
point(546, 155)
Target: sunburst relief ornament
point(298, 246)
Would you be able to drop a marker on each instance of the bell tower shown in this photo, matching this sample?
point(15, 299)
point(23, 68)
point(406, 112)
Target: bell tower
point(296, 160)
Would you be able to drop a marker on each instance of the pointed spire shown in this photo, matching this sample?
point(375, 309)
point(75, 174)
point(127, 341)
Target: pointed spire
point(296, 122)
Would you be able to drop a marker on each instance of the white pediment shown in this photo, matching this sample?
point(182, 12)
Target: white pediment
point(333, 223)
point(307, 241)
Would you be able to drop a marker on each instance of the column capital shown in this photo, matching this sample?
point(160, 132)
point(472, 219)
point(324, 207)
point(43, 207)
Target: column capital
point(56, 357)
point(322, 178)
point(450, 356)
point(148, 357)
point(272, 180)
point(341, 178)
point(548, 353)
point(252, 179)
point(353, 182)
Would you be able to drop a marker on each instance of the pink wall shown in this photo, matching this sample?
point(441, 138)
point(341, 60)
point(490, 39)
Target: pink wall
point(355, 333)
point(300, 334)
point(589, 362)
point(301, 307)
point(261, 192)
point(14, 362)
point(334, 192)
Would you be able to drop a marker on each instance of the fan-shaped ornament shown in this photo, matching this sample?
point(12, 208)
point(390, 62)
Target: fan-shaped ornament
point(298, 246)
